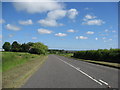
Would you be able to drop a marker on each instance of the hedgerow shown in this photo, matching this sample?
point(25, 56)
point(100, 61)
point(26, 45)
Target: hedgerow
point(111, 55)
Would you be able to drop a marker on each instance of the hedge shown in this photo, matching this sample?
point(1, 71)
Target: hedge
point(111, 55)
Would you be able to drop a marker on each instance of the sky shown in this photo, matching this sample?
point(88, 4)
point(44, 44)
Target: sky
point(61, 25)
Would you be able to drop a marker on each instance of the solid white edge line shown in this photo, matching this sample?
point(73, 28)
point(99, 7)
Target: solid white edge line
point(103, 82)
point(78, 69)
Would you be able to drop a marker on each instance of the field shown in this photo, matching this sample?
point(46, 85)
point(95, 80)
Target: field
point(18, 67)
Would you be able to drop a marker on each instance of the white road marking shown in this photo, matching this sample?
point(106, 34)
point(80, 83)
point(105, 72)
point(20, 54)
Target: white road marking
point(103, 82)
point(78, 69)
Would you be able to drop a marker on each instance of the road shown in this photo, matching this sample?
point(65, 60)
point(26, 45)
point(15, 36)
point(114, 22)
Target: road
point(62, 72)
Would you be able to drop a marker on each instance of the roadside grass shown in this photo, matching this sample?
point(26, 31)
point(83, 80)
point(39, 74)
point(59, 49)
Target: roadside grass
point(66, 55)
point(115, 65)
point(13, 59)
point(18, 67)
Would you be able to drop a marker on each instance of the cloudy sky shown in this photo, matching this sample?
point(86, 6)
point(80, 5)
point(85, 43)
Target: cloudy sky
point(61, 25)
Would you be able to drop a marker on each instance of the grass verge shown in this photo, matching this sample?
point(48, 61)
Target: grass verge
point(67, 55)
point(13, 59)
point(115, 65)
point(18, 73)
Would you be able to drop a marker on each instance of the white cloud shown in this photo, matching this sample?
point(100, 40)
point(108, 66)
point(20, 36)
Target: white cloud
point(88, 8)
point(27, 22)
point(50, 23)
point(94, 22)
point(88, 16)
point(44, 31)
point(81, 37)
point(56, 14)
point(106, 30)
point(72, 13)
point(91, 20)
point(34, 38)
point(77, 37)
point(71, 30)
point(38, 7)
point(12, 27)
point(96, 38)
point(10, 35)
point(90, 32)
point(2, 21)
point(61, 34)
point(52, 17)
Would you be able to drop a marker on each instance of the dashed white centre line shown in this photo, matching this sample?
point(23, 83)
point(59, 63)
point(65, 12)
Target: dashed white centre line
point(78, 69)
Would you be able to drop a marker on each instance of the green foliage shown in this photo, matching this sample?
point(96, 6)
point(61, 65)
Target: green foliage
point(30, 44)
point(106, 55)
point(56, 51)
point(6, 46)
point(39, 48)
point(34, 48)
point(25, 47)
point(34, 51)
point(15, 46)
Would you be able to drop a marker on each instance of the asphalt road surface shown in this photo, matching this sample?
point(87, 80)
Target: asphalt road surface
point(62, 72)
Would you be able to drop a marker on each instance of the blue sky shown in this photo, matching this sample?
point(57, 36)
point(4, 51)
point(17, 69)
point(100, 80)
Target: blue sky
point(70, 25)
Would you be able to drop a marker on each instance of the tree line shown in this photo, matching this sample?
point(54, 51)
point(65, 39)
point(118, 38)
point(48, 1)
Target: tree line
point(30, 47)
point(111, 55)
point(57, 51)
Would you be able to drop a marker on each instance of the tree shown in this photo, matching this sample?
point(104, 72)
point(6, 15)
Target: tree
point(25, 47)
point(6, 46)
point(39, 48)
point(15, 46)
point(34, 51)
point(30, 44)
